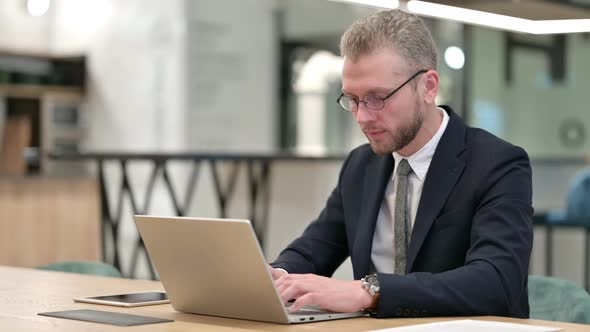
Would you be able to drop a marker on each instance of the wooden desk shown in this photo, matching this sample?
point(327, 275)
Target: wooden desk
point(25, 292)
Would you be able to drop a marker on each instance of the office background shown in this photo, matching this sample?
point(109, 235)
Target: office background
point(249, 77)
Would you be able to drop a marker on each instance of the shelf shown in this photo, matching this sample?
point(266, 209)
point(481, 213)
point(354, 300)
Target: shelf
point(38, 54)
point(37, 91)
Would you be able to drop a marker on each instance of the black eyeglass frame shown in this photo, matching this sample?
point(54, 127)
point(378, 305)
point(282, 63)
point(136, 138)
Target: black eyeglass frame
point(358, 101)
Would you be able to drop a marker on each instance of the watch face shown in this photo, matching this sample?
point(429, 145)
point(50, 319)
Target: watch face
point(372, 279)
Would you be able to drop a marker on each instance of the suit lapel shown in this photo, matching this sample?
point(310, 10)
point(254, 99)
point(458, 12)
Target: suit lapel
point(443, 173)
point(377, 176)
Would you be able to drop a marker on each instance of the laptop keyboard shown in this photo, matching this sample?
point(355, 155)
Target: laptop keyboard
point(309, 310)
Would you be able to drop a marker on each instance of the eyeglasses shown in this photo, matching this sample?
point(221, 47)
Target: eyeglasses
point(372, 102)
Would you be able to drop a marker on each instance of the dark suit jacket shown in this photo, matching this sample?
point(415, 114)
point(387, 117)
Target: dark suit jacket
point(471, 242)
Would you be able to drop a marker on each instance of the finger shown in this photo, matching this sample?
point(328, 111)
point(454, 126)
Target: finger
point(295, 290)
point(281, 287)
point(291, 292)
point(295, 276)
point(288, 278)
point(302, 301)
point(277, 273)
point(282, 280)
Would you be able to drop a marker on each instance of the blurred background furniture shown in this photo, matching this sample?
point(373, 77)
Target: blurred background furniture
point(576, 215)
point(41, 96)
point(558, 300)
point(84, 267)
point(47, 220)
point(16, 138)
point(578, 199)
point(47, 213)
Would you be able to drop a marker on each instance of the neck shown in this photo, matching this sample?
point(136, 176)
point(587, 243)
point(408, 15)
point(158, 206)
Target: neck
point(432, 121)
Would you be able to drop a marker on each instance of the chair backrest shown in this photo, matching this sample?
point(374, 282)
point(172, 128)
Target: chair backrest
point(84, 267)
point(578, 198)
point(558, 300)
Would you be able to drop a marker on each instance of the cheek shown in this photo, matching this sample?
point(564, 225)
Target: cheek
point(398, 115)
point(391, 119)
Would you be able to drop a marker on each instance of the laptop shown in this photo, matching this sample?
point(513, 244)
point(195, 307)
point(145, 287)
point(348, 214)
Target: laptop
point(215, 267)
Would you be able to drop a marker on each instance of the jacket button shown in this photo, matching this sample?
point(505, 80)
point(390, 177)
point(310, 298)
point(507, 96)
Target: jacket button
point(398, 312)
point(407, 312)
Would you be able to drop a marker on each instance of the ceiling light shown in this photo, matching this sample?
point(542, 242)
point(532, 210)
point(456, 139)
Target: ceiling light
point(38, 7)
point(498, 21)
point(389, 4)
point(561, 26)
point(454, 57)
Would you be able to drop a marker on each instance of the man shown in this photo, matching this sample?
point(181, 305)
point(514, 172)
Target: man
point(435, 215)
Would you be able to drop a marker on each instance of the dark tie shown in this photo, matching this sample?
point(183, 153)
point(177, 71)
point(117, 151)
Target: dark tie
point(401, 217)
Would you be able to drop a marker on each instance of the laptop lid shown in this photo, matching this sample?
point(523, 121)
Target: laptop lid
point(212, 267)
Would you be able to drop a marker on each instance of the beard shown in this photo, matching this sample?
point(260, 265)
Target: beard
point(402, 137)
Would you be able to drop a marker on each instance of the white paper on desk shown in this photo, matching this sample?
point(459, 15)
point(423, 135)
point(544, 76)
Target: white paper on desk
point(468, 325)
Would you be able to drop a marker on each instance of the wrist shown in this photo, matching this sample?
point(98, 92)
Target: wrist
point(372, 308)
point(370, 285)
point(366, 299)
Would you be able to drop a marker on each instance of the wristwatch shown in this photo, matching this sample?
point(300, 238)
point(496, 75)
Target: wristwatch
point(371, 284)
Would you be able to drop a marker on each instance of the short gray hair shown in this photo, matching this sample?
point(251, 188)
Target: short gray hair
point(402, 32)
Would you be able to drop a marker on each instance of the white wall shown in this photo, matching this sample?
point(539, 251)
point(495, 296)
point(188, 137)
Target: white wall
point(21, 32)
point(231, 70)
point(136, 79)
point(76, 24)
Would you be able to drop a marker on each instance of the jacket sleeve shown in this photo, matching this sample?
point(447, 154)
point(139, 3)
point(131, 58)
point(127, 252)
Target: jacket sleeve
point(493, 280)
point(323, 245)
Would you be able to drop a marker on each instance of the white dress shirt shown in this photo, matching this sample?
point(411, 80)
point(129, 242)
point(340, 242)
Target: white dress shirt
point(383, 251)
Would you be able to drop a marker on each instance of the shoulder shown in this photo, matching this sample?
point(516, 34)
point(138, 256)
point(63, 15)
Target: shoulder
point(474, 145)
point(476, 142)
point(494, 166)
point(487, 147)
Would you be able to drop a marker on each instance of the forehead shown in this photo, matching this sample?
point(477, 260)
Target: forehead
point(378, 69)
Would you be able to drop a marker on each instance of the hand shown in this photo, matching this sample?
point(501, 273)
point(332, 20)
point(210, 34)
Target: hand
point(276, 273)
point(328, 293)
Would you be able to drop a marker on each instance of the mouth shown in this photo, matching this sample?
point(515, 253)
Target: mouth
point(374, 133)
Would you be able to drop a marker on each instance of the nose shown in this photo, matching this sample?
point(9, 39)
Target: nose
point(363, 114)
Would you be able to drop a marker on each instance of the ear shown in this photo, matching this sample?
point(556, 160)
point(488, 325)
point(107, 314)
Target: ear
point(431, 81)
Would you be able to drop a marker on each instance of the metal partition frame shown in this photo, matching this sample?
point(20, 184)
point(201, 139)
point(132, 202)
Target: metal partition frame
point(258, 171)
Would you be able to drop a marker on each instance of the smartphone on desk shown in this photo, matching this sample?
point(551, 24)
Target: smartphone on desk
point(128, 300)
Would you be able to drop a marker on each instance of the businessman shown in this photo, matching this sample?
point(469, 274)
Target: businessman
point(435, 215)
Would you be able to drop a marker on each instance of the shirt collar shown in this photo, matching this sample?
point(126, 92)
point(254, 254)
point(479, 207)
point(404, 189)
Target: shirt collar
point(420, 161)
